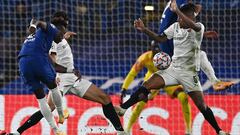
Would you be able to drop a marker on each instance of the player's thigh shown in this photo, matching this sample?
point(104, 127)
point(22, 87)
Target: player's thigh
point(154, 82)
point(26, 68)
point(95, 94)
point(190, 81)
point(163, 78)
point(89, 91)
point(46, 72)
point(173, 90)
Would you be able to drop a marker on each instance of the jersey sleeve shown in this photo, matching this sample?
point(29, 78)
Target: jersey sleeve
point(169, 32)
point(51, 30)
point(53, 48)
point(199, 34)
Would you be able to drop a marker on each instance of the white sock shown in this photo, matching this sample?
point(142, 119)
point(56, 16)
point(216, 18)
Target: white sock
point(207, 68)
point(46, 112)
point(57, 100)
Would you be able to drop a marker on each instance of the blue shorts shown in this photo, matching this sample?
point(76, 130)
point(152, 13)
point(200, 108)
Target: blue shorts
point(168, 18)
point(35, 70)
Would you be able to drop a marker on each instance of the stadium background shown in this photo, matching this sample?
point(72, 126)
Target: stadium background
point(107, 45)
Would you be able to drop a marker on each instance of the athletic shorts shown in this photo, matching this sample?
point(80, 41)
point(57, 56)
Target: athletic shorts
point(79, 88)
point(36, 71)
point(188, 79)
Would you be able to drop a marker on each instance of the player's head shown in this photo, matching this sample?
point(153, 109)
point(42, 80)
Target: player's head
point(60, 18)
point(154, 47)
point(189, 11)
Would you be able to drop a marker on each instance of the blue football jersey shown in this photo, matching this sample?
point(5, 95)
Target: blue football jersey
point(168, 17)
point(40, 42)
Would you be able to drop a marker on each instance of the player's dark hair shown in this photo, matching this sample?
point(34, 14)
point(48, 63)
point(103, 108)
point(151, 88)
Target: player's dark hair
point(60, 18)
point(60, 14)
point(188, 8)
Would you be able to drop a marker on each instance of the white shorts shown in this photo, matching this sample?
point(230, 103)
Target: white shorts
point(188, 79)
point(79, 88)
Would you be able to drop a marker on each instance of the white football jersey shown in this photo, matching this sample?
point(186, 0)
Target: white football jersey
point(64, 58)
point(187, 44)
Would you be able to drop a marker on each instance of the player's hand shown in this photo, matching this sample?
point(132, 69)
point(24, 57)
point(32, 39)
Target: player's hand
point(33, 22)
point(69, 34)
point(77, 73)
point(138, 24)
point(123, 94)
point(211, 34)
point(57, 81)
point(173, 6)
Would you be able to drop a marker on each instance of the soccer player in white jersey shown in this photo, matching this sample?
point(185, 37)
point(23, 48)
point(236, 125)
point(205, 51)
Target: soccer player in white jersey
point(68, 82)
point(187, 37)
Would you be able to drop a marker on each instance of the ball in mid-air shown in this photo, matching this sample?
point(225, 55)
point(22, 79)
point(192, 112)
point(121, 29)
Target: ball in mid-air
point(161, 60)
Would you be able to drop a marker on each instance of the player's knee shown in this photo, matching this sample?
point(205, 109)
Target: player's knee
point(52, 85)
point(182, 97)
point(52, 107)
point(104, 99)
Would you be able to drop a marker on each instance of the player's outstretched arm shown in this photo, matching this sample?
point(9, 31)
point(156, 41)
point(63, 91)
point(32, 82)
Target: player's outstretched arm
point(138, 24)
point(190, 23)
point(210, 34)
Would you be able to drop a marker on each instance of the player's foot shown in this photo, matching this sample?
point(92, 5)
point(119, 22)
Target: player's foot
point(119, 110)
point(60, 133)
point(219, 86)
point(61, 119)
point(223, 133)
point(66, 113)
point(3, 132)
point(122, 133)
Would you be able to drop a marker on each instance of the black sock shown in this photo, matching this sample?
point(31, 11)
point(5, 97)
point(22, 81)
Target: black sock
point(110, 113)
point(33, 120)
point(139, 95)
point(208, 115)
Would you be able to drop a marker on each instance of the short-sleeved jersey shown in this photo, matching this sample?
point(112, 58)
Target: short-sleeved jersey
point(187, 44)
point(39, 43)
point(64, 58)
point(64, 53)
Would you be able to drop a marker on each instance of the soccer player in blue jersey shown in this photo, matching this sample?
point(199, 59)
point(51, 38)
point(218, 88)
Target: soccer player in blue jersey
point(168, 18)
point(36, 68)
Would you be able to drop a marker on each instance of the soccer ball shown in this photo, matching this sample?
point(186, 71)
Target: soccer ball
point(161, 60)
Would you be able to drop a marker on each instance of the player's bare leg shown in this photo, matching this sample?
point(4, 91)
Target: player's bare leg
point(97, 95)
point(197, 97)
point(207, 68)
point(154, 82)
